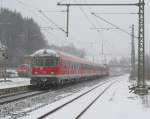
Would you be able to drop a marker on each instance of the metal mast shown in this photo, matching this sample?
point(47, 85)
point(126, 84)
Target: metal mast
point(141, 86)
point(132, 75)
point(68, 10)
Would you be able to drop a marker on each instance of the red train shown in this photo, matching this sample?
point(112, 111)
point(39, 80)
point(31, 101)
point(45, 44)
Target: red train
point(55, 67)
point(23, 70)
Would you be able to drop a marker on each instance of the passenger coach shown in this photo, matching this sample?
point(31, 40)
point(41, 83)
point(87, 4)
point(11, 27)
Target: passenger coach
point(55, 67)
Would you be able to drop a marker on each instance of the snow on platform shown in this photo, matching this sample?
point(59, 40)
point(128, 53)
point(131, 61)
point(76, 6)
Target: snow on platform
point(116, 103)
point(14, 82)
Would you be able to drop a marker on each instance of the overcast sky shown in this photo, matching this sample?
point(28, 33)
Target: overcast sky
point(81, 32)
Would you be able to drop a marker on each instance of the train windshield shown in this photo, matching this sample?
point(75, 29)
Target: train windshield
point(45, 61)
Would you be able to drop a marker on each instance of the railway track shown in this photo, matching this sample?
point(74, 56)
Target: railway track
point(31, 102)
point(78, 116)
point(25, 94)
point(22, 95)
point(78, 97)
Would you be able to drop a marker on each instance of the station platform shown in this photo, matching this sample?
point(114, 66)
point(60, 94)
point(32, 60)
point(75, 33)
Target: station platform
point(12, 85)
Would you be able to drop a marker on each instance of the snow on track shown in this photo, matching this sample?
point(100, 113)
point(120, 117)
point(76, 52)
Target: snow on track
point(116, 103)
point(73, 111)
point(76, 107)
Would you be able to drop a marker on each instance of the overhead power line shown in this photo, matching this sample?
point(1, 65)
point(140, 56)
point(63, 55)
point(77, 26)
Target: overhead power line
point(87, 17)
point(104, 28)
point(42, 13)
point(61, 1)
point(104, 20)
point(31, 9)
point(54, 11)
point(26, 5)
point(115, 13)
point(133, 4)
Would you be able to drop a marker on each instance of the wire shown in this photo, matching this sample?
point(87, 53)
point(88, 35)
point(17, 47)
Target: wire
point(123, 13)
point(26, 5)
point(53, 11)
point(88, 19)
point(32, 10)
point(61, 1)
point(42, 13)
point(112, 24)
point(28, 8)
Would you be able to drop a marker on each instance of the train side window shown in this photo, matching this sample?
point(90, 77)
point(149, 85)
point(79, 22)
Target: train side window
point(65, 65)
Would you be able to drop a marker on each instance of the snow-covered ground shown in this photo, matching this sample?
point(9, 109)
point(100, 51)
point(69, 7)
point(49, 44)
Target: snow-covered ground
point(116, 103)
point(22, 107)
point(14, 82)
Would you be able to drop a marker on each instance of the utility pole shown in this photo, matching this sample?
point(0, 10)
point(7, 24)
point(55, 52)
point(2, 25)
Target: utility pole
point(141, 88)
point(104, 55)
point(67, 32)
point(132, 75)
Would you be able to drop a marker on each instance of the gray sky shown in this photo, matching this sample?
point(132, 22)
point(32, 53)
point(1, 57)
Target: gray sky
point(116, 42)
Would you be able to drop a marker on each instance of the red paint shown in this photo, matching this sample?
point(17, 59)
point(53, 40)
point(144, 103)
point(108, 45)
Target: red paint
point(23, 69)
point(69, 65)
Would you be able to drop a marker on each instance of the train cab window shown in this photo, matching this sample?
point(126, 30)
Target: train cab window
point(37, 61)
point(45, 61)
point(51, 61)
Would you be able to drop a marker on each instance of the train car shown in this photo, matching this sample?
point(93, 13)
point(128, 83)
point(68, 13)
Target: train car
point(51, 67)
point(23, 70)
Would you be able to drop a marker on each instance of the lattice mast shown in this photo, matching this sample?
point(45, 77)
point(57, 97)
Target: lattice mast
point(132, 75)
point(141, 86)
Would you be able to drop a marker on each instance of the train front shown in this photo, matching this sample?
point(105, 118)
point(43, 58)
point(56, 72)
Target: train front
point(44, 68)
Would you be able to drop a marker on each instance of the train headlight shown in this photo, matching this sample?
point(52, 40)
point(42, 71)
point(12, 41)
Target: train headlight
point(52, 73)
point(36, 72)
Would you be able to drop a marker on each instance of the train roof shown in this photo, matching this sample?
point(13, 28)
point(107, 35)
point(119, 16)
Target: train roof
point(45, 52)
point(66, 56)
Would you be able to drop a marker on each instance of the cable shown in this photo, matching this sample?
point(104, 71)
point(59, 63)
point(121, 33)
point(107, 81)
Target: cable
point(53, 11)
point(102, 44)
point(123, 13)
point(112, 24)
point(32, 10)
point(42, 13)
point(61, 1)
point(26, 5)
point(28, 8)
point(88, 19)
